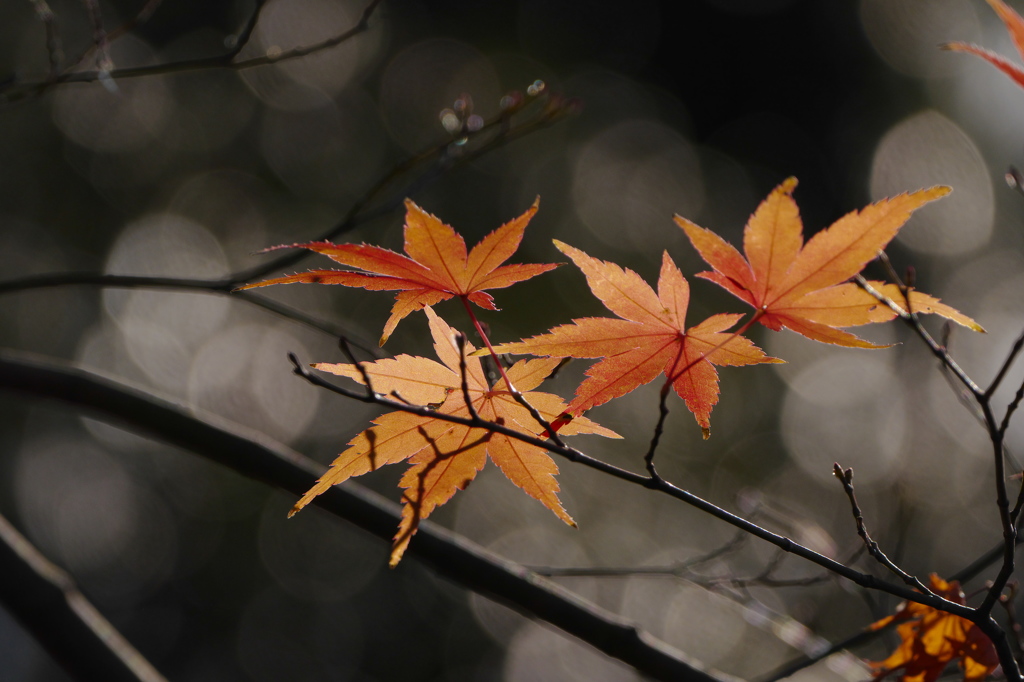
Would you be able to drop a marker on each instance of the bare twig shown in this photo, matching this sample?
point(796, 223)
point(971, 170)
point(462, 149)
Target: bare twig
point(685, 570)
point(548, 432)
point(54, 48)
point(14, 91)
point(141, 17)
point(346, 348)
point(915, 323)
point(99, 38)
point(659, 428)
point(1007, 602)
point(1005, 367)
point(460, 341)
point(983, 618)
point(845, 476)
point(241, 39)
point(199, 286)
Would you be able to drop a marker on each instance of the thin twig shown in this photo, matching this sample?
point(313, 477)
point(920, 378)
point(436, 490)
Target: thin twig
point(983, 614)
point(460, 341)
point(548, 431)
point(54, 47)
point(358, 214)
point(845, 476)
point(1005, 367)
point(241, 39)
point(15, 91)
point(915, 323)
point(1007, 602)
point(202, 286)
point(346, 348)
point(112, 35)
point(99, 37)
point(659, 429)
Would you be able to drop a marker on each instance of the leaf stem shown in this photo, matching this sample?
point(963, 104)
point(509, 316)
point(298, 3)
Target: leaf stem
point(704, 356)
point(487, 342)
point(516, 395)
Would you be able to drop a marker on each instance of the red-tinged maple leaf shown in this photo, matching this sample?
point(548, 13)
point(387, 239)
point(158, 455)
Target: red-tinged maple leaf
point(1015, 25)
point(446, 457)
point(804, 287)
point(931, 639)
point(649, 339)
point(437, 266)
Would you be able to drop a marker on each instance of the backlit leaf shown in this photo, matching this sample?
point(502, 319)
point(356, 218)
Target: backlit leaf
point(647, 340)
point(445, 457)
point(805, 287)
point(436, 268)
point(931, 639)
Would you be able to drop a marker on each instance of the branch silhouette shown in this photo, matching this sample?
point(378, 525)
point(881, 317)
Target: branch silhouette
point(254, 455)
point(46, 600)
point(14, 91)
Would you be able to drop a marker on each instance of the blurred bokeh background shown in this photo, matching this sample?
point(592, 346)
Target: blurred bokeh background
point(696, 108)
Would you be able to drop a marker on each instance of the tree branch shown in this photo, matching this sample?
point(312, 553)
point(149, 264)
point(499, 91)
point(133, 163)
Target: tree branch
point(845, 477)
point(15, 91)
point(254, 455)
point(45, 599)
point(658, 485)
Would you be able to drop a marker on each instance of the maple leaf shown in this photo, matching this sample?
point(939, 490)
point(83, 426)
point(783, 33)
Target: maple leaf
point(804, 287)
point(437, 266)
point(649, 339)
point(1015, 25)
point(931, 639)
point(445, 456)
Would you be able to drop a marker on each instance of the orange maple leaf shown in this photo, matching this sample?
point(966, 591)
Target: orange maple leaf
point(648, 340)
point(1015, 25)
point(437, 266)
point(931, 639)
point(446, 456)
point(804, 287)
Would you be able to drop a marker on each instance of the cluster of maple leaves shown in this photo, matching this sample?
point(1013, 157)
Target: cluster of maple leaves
point(804, 287)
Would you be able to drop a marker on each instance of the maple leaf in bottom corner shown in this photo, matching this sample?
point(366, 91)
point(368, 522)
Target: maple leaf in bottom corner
point(445, 456)
point(650, 339)
point(931, 639)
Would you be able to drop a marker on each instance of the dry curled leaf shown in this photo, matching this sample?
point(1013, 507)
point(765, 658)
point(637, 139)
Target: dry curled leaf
point(445, 456)
point(436, 268)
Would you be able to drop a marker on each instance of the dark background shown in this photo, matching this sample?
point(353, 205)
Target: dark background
point(698, 108)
